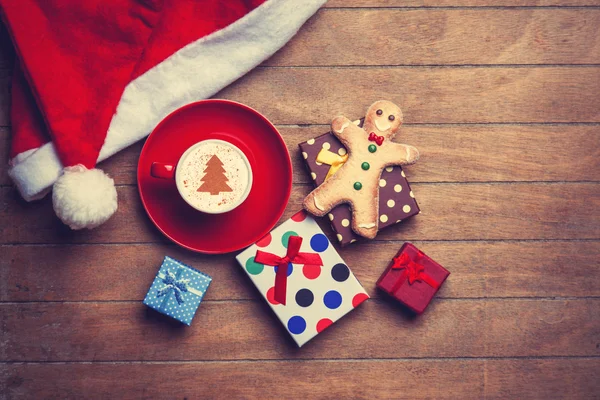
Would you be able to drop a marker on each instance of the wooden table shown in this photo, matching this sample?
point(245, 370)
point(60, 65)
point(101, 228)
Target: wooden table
point(504, 104)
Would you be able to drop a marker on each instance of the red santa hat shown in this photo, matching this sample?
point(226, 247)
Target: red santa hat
point(95, 76)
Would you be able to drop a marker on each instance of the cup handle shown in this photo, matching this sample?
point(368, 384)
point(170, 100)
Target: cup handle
point(162, 171)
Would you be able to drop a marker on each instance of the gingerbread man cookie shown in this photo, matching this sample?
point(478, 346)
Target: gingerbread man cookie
point(370, 150)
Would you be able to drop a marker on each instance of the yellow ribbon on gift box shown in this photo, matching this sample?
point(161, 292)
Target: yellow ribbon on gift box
point(330, 158)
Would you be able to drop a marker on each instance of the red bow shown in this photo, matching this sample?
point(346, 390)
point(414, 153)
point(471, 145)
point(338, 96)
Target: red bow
point(293, 256)
point(375, 138)
point(413, 271)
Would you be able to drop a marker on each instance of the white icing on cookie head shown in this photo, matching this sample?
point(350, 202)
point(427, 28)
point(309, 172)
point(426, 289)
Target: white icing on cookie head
point(384, 118)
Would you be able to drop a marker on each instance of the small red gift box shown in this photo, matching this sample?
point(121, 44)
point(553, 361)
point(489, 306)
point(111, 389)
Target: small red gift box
point(412, 278)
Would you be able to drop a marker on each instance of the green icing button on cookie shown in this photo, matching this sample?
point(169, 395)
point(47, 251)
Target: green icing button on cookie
point(357, 185)
point(365, 166)
point(372, 148)
point(254, 268)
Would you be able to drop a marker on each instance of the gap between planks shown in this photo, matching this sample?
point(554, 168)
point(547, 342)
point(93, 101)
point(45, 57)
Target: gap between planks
point(377, 300)
point(451, 8)
point(301, 360)
point(431, 66)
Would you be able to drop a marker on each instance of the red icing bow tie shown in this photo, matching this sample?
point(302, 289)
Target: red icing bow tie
point(375, 138)
point(413, 271)
point(293, 256)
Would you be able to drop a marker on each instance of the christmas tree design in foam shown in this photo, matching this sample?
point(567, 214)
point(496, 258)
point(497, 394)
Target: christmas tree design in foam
point(214, 180)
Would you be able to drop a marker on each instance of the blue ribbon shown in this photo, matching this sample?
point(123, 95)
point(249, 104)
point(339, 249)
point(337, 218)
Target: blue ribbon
point(173, 284)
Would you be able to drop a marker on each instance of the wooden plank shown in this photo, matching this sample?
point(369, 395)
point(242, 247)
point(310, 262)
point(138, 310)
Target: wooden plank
point(450, 153)
point(542, 379)
point(130, 222)
point(445, 37)
point(448, 211)
point(403, 379)
point(479, 269)
point(427, 95)
point(247, 330)
point(457, 3)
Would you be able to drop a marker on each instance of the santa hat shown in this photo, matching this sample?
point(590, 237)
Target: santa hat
point(95, 76)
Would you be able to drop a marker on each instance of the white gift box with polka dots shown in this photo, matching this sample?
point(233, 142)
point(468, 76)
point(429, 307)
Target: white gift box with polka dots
point(316, 296)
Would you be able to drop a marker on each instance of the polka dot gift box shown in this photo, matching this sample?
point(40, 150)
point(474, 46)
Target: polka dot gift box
point(303, 278)
point(325, 154)
point(177, 290)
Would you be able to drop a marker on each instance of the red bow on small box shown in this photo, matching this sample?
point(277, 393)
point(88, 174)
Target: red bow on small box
point(413, 271)
point(376, 138)
point(293, 256)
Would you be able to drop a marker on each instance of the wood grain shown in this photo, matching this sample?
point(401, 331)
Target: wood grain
point(500, 96)
point(445, 37)
point(479, 270)
point(123, 331)
point(427, 95)
point(482, 211)
point(405, 379)
point(449, 153)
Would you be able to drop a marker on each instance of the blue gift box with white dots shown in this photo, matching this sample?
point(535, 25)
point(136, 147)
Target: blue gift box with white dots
point(177, 290)
point(316, 296)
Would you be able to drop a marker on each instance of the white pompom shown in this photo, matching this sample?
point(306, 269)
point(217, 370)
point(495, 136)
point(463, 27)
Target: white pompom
point(84, 198)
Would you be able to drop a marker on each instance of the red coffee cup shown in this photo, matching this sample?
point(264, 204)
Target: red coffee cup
point(212, 176)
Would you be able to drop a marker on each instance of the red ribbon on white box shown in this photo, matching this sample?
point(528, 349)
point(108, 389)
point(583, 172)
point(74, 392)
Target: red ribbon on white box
point(293, 256)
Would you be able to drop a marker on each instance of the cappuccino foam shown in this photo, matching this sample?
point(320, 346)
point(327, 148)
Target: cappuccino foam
point(214, 176)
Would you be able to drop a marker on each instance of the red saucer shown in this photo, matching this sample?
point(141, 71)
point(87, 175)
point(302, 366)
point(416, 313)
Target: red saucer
point(271, 166)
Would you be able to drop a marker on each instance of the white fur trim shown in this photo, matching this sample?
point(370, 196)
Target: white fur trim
point(35, 171)
point(202, 68)
point(195, 72)
point(84, 198)
point(22, 156)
